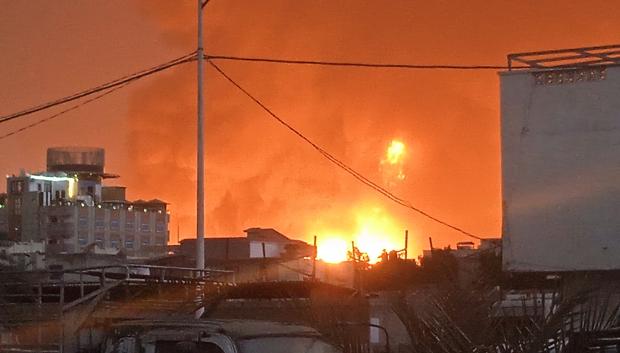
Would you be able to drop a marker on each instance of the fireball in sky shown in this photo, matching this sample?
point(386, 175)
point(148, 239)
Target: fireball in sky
point(393, 162)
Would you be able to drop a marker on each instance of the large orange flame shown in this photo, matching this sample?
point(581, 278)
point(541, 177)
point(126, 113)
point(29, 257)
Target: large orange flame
point(373, 230)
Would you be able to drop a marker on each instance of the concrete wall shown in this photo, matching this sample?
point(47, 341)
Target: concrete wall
point(272, 249)
point(382, 313)
point(561, 169)
point(30, 219)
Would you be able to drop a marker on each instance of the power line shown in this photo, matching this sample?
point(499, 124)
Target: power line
point(191, 57)
point(105, 86)
point(341, 164)
point(359, 64)
point(74, 107)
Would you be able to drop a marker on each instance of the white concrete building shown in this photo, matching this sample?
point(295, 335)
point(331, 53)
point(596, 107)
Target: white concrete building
point(560, 129)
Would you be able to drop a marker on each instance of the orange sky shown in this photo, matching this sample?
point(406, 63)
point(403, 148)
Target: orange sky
point(259, 174)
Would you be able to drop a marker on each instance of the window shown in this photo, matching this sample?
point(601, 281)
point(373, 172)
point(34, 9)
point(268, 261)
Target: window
point(114, 243)
point(146, 241)
point(18, 206)
point(82, 241)
point(114, 224)
point(17, 187)
point(145, 228)
point(83, 222)
point(129, 225)
point(99, 224)
point(160, 227)
point(129, 244)
point(56, 271)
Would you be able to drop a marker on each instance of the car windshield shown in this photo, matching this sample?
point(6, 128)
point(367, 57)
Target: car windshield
point(285, 344)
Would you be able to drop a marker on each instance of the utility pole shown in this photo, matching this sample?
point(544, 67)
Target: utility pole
point(200, 161)
point(406, 242)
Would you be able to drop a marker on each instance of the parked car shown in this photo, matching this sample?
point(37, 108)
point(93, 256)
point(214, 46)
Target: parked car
point(214, 336)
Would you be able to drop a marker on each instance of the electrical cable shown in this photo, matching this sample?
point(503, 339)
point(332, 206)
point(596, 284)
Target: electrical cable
point(191, 57)
point(74, 107)
point(360, 64)
point(105, 86)
point(341, 164)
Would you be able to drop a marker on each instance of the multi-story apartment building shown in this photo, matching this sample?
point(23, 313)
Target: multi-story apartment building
point(69, 209)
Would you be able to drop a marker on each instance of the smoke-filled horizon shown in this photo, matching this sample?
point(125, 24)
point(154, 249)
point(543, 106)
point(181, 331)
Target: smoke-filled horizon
point(258, 174)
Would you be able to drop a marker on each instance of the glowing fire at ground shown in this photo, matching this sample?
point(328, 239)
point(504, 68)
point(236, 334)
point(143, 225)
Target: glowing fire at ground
point(332, 249)
point(374, 231)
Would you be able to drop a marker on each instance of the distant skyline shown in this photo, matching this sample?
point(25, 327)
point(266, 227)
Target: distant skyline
point(259, 174)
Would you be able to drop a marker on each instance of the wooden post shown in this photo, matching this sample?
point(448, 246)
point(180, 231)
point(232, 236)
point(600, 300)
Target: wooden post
point(406, 242)
point(314, 252)
point(430, 241)
point(356, 274)
point(264, 264)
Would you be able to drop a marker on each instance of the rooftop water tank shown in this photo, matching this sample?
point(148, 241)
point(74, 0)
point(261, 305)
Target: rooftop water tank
point(75, 159)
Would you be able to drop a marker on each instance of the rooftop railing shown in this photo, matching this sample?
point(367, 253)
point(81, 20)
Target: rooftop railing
point(566, 58)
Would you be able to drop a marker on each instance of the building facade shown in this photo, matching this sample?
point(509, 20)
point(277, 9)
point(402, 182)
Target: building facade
point(4, 222)
point(69, 209)
point(560, 136)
